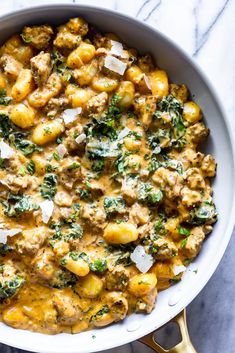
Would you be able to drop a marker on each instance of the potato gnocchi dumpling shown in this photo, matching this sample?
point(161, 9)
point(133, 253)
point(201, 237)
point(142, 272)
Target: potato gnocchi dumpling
point(105, 196)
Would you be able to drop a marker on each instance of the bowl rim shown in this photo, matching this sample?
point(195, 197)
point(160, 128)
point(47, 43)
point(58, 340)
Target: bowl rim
point(199, 71)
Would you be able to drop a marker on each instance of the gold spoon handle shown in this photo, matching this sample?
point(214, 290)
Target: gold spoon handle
point(185, 346)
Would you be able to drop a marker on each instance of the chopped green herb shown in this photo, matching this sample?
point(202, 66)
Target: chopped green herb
point(84, 193)
point(8, 288)
point(48, 188)
point(113, 110)
point(25, 39)
point(184, 243)
point(98, 165)
point(74, 165)
point(27, 147)
point(50, 168)
point(114, 204)
point(98, 265)
point(74, 255)
point(187, 261)
point(183, 231)
point(22, 170)
point(6, 126)
point(47, 130)
point(159, 227)
point(59, 140)
point(56, 156)
point(147, 193)
point(31, 167)
point(100, 313)
point(76, 231)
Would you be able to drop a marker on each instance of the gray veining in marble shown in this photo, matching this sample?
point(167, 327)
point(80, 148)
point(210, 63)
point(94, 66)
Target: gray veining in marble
point(206, 30)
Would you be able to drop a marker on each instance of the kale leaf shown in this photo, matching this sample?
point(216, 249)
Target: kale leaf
point(99, 265)
point(48, 188)
point(62, 279)
point(114, 205)
point(205, 213)
point(31, 167)
point(27, 147)
point(76, 231)
point(18, 204)
point(147, 193)
point(9, 288)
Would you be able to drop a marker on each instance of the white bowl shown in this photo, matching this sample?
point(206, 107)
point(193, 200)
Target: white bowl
point(181, 69)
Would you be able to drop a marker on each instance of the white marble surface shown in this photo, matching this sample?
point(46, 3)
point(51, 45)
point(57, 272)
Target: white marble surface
point(205, 29)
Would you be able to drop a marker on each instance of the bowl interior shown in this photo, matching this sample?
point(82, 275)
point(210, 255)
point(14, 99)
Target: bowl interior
point(181, 70)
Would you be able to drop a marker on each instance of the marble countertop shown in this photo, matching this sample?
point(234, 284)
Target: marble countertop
point(205, 29)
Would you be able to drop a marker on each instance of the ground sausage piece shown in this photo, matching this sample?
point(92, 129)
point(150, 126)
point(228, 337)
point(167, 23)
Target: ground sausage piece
point(67, 40)
point(67, 307)
point(41, 96)
point(197, 133)
point(180, 92)
point(96, 216)
point(117, 279)
point(44, 264)
point(70, 35)
point(31, 240)
point(63, 199)
point(77, 25)
point(128, 190)
point(191, 158)
point(146, 303)
point(10, 66)
point(67, 174)
point(14, 183)
point(166, 249)
point(208, 166)
point(194, 179)
point(118, 305)
point(97, 104)
point(171, 181)
point(38, 36)
point(145, 108)
point(190, 197)
point(41, 67)
point(139, 214)
point(69, 141)
point(194, 242)
point(56, 106)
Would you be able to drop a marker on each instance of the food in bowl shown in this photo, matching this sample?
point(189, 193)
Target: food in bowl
point(105, 198)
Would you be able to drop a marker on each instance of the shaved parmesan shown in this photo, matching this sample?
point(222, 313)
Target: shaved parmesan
point(6, 151)
point(116, 48)
point(177, 269)
point(47, 208)
point(115, 64)
point(4, 233)
point(80, 138)
point(123, 133)
point(61, 149)
point(147, 82)
point(70, 115)
point(142, 260)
